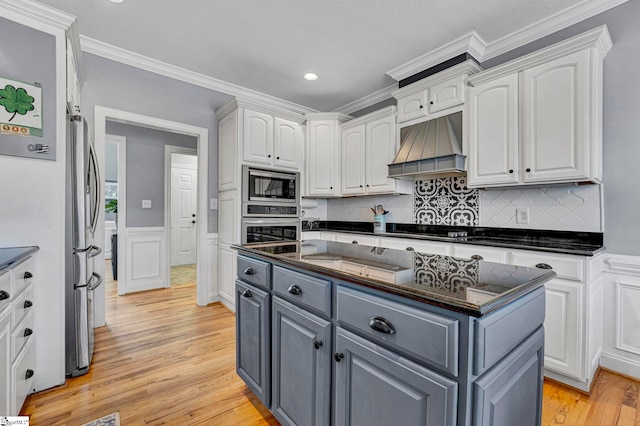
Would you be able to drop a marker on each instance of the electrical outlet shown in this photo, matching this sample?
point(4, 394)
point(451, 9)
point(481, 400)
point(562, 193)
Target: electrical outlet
point(522, 215)
point(146, 204)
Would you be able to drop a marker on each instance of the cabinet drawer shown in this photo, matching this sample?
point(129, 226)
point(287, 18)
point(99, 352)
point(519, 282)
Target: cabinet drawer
point(5, 290)
point(421, 246)
point(23, 376)
point(423, 335)
point(488, 254)
point(23, 306)
point(357, 239)
point(304, 290)
point(254, 271)
point(23, 274)
point(22, 334)
point(569, 268)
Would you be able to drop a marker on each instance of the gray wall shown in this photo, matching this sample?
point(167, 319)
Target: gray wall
point(145, 170)
point(111, 162)
point(114, 85)
point(621, 124)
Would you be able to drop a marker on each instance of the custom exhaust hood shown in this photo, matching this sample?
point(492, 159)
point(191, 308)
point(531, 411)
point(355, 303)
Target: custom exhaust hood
point(430, 148)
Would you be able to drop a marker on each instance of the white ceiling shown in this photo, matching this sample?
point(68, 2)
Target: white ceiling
point(268, 45)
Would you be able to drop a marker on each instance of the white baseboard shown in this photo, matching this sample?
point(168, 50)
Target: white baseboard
point(228, 302)
point(625, 366)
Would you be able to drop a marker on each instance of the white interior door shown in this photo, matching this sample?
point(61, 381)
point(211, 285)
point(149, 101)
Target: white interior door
point(183, 213)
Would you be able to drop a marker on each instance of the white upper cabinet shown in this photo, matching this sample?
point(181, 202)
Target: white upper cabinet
point(369, 144)
point(447, 94)
point(412, 106)
point(492, 142)
point(228, 152)
point(271, 141)
point(323, 158)
point(73, 81)
point(538, 119)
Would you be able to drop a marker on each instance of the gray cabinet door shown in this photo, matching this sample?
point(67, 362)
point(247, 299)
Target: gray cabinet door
point(511, 392)
point(253, 352)
point(375, 386)
point(301, 366)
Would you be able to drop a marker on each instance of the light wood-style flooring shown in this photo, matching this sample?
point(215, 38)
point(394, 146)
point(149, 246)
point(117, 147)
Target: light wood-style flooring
point(163, 360)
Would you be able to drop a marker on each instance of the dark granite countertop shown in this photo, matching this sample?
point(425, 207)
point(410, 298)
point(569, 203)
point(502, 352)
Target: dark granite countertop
point(11, 255)
point(468, 286)
point(566, 242)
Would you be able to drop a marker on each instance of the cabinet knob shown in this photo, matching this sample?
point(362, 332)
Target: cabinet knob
point(338, 356)
point(477, 257)
point(27, 332)
point(382, 325)
point(295, 290)
point(193, 215)
point(421, 107)
point(410, 249)
point(510, 171)
point(28, 275)
point(528, 170)
point(4, 295)
point(193, 221)
point(331, 187)
point(430, 102)
point(317, 344)
point(543, 266)
point(28, 304)
point(278, 157)
point(269, 156)
point(29, 374)
point(248, 271)
point(368, 185)
point(247, 293)
point(361, 186)
point(354, 242)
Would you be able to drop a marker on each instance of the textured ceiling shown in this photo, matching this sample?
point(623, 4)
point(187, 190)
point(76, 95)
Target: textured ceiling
point(267, 46)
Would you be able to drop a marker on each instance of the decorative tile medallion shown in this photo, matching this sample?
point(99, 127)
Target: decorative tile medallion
point(445, 201)
point(445, 273)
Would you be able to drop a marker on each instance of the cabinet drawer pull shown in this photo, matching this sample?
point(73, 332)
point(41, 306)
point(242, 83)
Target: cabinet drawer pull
point(317, 344)
point(543, 266)
point(510, 171)
point(294, 289)
point(382, 325)
point(27, 332)
point(29, 374)
point(247, 293)
point(338, 356)
point(248, 271)
point(4, 295)
point(410, 249)
point(28, 304)
point(354, 242)
point(477, 257)
point(28, 275)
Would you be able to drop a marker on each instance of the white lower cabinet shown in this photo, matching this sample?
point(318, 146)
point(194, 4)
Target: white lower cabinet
point(5, 366)
point(226, 275)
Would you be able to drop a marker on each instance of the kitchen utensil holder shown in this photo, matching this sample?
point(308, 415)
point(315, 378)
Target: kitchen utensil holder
point(380, 224)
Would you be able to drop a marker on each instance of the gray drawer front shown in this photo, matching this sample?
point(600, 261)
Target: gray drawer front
point(254, 271)
point(426, 336)
point(304, 290)
point(497, 334)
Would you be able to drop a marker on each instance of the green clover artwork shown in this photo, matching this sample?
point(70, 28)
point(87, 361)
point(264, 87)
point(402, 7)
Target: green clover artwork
point(16, 101)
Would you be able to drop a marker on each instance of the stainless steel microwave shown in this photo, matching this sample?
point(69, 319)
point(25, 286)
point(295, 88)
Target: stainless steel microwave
point(270, 193)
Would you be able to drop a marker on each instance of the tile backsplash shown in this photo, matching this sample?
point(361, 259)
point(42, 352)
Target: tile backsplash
point(447, 201)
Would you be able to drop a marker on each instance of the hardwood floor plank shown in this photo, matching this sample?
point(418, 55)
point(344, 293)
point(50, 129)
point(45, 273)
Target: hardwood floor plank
point(163, 360)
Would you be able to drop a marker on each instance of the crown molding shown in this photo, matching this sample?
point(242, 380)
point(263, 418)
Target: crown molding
point(597, 38)
point(338, 116)
point(38, 12)
point(372, 99)
point(470, 43)
point(372, 116)
point(107, 51)
point(473, 44)
point(467, 67)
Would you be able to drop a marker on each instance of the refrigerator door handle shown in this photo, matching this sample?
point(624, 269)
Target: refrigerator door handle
point(93, 251)
point(96, 176)
point(92, 286)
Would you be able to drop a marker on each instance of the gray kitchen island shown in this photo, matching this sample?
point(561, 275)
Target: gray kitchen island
point(346, 334)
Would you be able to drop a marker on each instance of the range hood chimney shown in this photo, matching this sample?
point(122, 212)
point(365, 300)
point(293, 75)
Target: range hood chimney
point(430, 148)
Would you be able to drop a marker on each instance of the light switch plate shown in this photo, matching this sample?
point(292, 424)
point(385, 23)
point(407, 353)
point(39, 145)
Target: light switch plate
point(522, 215)
point(213, 204)
point(146, 204)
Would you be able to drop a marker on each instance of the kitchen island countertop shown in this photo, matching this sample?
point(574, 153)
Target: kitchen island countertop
point(468, 286)
point(11, 255)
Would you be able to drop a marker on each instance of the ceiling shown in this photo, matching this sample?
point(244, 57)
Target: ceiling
point(267, 46)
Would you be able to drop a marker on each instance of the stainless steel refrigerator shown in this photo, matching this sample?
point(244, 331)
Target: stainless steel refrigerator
point(82, 201)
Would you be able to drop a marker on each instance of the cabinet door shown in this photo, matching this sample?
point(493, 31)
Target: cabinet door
point(412, 106)
point(253, 334)
point(353, 160)
point(563, 343)
point(227, 275)
point(301, 366)
point(5, 363)
point(374, 386)
point(228, 152)
point(321, 159)
point(258, 137)
point(380, 151)
point(555, 118)
point(228, 217)
point(446, 95)
point(287, 144)
point(492, 135)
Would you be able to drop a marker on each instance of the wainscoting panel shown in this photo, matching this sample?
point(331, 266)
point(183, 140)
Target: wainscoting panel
point(627, 319)
point(146, 249)
point(212, 264)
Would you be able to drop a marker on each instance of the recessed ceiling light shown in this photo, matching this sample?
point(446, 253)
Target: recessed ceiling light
point(310, 76)
point(117, 1)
